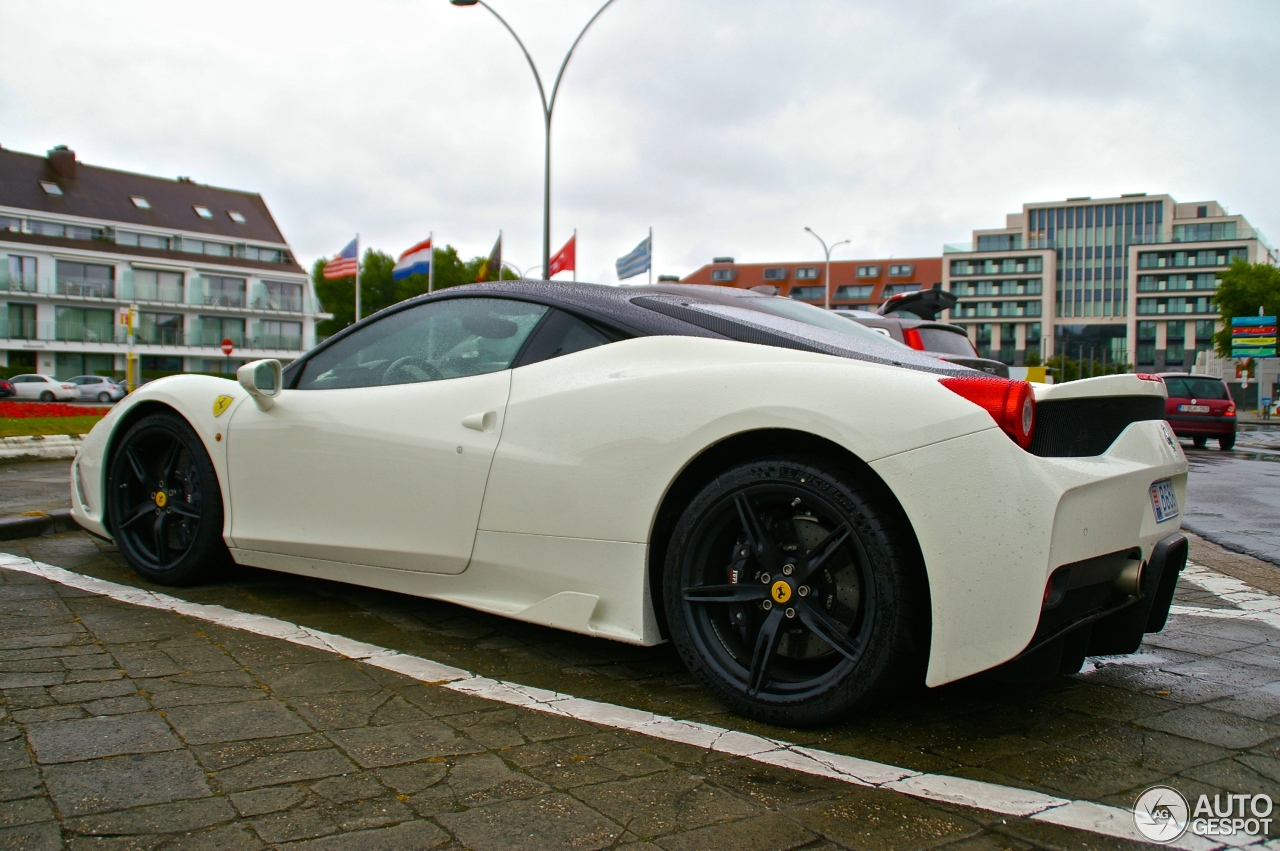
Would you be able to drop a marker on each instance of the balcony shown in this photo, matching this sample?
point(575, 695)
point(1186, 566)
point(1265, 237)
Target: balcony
point(116, 336)
point(85, 288)
point(17, 285)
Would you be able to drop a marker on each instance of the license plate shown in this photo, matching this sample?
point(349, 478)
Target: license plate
point(1164, 501)
point(1194, 409)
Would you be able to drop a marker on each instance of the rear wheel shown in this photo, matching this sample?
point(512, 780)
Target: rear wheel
point(1227, 441)
point(104, 396)
point(793, 594)
point(1199, 442)
point(164, 502)
point(46, 396)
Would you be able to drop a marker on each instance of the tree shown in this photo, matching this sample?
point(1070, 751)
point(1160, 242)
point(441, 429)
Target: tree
point(378, 289)
point(1032, 358)
point(1245, 287)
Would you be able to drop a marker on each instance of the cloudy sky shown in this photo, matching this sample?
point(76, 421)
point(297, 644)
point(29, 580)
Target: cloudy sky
point(726, 125)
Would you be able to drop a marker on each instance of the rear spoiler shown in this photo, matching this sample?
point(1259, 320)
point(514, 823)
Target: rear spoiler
point(926, 304)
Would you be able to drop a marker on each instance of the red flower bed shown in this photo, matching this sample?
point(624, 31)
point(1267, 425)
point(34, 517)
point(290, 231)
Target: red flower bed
point(26, 410)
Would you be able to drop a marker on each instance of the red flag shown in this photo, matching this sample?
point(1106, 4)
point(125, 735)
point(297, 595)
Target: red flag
point(563, 261)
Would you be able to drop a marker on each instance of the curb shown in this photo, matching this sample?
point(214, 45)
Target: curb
point(13, 528)
point(40, 447)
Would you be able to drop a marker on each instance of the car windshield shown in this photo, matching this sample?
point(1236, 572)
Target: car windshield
point(1196, 388)
point(946, 341)
point(817, 317)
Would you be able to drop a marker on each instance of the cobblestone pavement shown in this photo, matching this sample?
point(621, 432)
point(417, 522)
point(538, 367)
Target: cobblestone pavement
point(34, 486)
point(131, 727)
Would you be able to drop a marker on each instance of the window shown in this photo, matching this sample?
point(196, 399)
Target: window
point(1202, 212)
point(152, 285)
point(22, 323)
point(280, 295)
point(775, 273)
point(155, 366)
point(62, 231)
point(85, 325)
point(140, 202)
point(897, 289)
point(215, 329)
point(807, 273)
point(22, 273)
point(454, 338)
point(238, 218)
point(86, 279)
point(142, 240)
point(213, 249)
point(868, 271)
point(900, 270)
point(160, 328)
point(202, 212)
point(723, 274)
point(84, 365)
point(858, 292)
point(224, 292)
point(562, 334)
point(263, 255)
point(806, 293)
point(50, 188)
point(274, 334)
point(9, 223)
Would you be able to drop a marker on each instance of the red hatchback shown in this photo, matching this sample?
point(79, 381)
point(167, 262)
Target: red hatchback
point(1200, 407)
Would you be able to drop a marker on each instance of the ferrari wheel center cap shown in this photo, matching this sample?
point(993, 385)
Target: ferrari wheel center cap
point(781, 591)
point(161, 499)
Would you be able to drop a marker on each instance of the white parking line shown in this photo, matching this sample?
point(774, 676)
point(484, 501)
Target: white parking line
point(1251, 604)
point(1006, 800)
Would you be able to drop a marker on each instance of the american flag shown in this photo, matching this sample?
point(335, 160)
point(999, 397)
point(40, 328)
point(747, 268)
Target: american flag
point(345, 264)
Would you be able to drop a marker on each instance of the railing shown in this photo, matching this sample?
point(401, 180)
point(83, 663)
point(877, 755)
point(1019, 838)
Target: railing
point(1126, 238)
point(282, 303)
point(117, 335)
point(17, 285)
point(81, 288)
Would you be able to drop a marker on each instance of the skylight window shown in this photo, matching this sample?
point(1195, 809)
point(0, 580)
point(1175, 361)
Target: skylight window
point(50, 187)
point(238, 218)
point(140, 202)
point(203, 212)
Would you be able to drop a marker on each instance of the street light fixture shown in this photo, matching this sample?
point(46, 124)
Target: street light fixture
point(547, 107)
point(826, 282)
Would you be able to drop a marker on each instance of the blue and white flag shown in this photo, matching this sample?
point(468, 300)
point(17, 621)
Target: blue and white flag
point(637, 261)
point(415, 261)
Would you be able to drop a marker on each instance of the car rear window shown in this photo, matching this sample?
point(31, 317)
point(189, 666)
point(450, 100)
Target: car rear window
point(1196, 388)
point(946, 341)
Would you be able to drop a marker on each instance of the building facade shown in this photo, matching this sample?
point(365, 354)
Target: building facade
point(1127, 279)
point(861, 284)
point(80, 245)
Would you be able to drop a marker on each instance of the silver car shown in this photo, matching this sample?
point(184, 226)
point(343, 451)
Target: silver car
point(97, 387)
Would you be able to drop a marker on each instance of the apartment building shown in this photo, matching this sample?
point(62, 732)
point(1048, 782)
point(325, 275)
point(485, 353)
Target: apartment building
point(80, 245)
point(1126, 279)
point(861, 284)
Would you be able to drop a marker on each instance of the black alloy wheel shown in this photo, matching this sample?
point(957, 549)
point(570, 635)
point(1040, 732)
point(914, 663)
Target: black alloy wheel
point(792, 596)
point(164, 503)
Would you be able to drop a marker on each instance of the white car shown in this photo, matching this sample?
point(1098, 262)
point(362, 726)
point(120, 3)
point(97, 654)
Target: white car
point(97, 387)
point(813, 515)
point(46, 388)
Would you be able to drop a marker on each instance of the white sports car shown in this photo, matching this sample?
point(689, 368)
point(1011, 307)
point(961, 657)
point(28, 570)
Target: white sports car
point(812, 514)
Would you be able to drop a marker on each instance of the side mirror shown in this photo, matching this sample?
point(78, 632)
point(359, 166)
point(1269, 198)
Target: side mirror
point(263, 379)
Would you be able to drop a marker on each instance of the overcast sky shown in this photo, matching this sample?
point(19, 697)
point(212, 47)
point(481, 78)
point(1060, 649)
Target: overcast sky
point(726, 125)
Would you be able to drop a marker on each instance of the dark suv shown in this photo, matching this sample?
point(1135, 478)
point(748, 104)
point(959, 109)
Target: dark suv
point(1200, 407)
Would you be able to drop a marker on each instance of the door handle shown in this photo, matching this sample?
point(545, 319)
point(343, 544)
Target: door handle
point(481, 422)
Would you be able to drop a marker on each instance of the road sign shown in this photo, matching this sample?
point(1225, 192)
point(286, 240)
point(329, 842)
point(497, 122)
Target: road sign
point(227, 346)
point(1253, 337)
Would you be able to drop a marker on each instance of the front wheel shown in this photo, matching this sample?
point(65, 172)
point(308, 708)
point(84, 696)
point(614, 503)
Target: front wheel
point(794, 593)
point(46, 396)
point(1226, 442)
point(164, 502)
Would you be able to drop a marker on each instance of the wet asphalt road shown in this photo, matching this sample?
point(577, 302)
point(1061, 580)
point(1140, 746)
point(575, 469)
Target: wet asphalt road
point(1233, 498)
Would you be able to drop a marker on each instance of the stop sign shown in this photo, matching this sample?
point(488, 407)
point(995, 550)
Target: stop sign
point(227, 346)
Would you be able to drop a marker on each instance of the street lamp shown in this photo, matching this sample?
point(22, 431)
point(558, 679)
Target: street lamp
point(826, 283)
point(547, 107)
point(514, 268)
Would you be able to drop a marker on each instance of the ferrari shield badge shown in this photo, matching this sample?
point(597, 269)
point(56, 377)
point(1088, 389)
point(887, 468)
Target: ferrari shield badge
point(781, 591)
point(220, 405)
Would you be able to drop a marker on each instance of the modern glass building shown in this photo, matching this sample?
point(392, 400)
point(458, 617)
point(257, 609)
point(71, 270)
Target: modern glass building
point(1125, 279)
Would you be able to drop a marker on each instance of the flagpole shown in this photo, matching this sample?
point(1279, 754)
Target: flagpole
point(431, 270)
point(650, 255)
point(499, 254)
point(575, 255)
point(357, 277)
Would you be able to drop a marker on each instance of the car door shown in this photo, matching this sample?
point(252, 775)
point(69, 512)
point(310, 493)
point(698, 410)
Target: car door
point(26, 386)
point(380, 452)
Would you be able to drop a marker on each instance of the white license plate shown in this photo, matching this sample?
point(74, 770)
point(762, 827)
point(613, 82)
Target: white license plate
point(1194, 409)
point(1164, 501)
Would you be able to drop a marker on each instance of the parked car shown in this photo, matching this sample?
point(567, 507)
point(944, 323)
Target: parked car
point(792, 506)
point(1200, 407)
point(97, 387)
point(912, 318)
point(6, 389)
point(46, 388)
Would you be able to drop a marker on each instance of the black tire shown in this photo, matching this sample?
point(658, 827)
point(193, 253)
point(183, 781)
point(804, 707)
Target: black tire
point(1227, 442)
point(46, 396)
point(771, 653)
point(1199, 442)
point(104, 396)
point(164, 503)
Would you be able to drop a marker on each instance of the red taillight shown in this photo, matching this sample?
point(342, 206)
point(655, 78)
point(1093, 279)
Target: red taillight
point(912, 338)
point(1231, 409)
point(1147, 376)
point(1010, 403)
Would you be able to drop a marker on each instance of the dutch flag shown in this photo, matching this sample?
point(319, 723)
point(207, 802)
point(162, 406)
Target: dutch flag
point(415, 261)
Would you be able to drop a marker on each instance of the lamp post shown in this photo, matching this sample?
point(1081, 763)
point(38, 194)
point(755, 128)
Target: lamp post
point(826, 283)
point(514, 268)
point(547, 107)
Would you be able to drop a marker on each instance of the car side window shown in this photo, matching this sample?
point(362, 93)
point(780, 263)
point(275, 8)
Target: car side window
point(451, 338)
point(562, 334)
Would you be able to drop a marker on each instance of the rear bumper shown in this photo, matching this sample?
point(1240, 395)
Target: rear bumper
point(1191, 425)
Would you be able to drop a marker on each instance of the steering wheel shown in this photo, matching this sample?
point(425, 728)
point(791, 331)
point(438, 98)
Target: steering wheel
point(410, 369)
